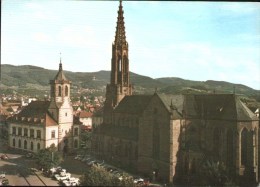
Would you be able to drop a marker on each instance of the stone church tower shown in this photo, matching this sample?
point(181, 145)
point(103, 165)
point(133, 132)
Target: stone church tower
point(119, 83)
point(61, 109)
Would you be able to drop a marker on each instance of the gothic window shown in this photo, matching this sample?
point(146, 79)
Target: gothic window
point(76, 132)
point(59, 93)
point(38, 134)
point(230, 147)
point(136, 152)
point(25, 132)
point(75, 143)
point(13, 142)
point(38, 146)
point(19, 131)
point(126, 150)
point(53, 134)
point(156, 141)
point(32, 146)
point(19, 144)
point(119, 65)
point(32, 133)
point(14, 130)
point(193, 166)
point(66, 91)
point(25, 144)
point(244, 147)
point(216, 140)
point(66, 114)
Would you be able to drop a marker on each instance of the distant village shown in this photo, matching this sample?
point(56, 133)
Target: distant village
point(88, 109)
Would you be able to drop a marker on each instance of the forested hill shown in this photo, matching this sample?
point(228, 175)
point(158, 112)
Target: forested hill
point(33, 78)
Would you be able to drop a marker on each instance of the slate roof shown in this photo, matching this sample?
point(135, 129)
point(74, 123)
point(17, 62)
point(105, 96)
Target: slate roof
point(118, 131)
point(217, 106)
point(36, 112)
point(134, 104)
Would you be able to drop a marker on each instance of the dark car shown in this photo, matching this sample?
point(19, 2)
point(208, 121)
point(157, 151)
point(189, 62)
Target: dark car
point(30, 155)
point(4, 157)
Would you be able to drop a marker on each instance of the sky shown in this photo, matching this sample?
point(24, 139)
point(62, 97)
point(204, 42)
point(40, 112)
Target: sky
point(190, 40)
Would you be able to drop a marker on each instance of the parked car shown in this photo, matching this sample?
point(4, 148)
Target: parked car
point(74, 181)
point(66, 182)
point(30, 155)
point(3, 157)
point(64, 177)
point(2, 175)
point(91, 162)
point(4, 182)
point(138, 180)
point(78, 157)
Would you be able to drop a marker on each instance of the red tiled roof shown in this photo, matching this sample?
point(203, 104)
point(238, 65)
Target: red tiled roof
point(85, 114)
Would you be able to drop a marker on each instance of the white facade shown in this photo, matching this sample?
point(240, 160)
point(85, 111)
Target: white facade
point(43, 123)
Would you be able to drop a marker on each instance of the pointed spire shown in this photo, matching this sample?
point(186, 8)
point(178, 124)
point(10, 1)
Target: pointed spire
point(120, 38)
point(60, 66)
point(60, 75)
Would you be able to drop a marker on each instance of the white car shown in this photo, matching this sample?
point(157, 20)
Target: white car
point(138, 180)
point(66, 176)
point(2, 175)
point(66, 182)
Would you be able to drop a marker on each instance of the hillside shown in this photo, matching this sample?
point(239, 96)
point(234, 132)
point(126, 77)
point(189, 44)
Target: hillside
point(35, 80)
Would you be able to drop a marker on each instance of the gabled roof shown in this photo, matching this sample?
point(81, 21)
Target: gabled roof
point(134, 104)
point(217, 106)
point(35, 113)
point(170, 101)
point(35, 109)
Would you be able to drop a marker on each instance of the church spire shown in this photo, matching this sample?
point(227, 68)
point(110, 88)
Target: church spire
point(60, 66)
point(120, 38)
point(60, 75)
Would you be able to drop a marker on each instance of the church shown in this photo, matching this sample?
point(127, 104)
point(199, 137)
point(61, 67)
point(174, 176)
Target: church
point(43, 123)
point(168, 137)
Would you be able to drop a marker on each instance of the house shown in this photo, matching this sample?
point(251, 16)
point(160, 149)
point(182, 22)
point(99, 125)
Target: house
point(43, 123)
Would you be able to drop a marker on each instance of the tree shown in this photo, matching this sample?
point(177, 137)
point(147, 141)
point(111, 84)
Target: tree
point(214, 173)
point(48, 158)
point(98, 176)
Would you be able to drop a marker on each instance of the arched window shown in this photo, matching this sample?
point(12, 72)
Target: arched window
point(216, 140)
point(75, 143)
point(156, 140)
point(230, 148)
point(38, 146)
point(66, 90)
point(193, 166)
point(186, 166)
point(244, 147)
point(13, 142)
point(59, 93)
point(25, 144)
point(32, 146)
point(19, 144)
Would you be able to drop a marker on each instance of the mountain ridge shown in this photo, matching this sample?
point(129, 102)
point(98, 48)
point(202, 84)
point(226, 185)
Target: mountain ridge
point(28, 77)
